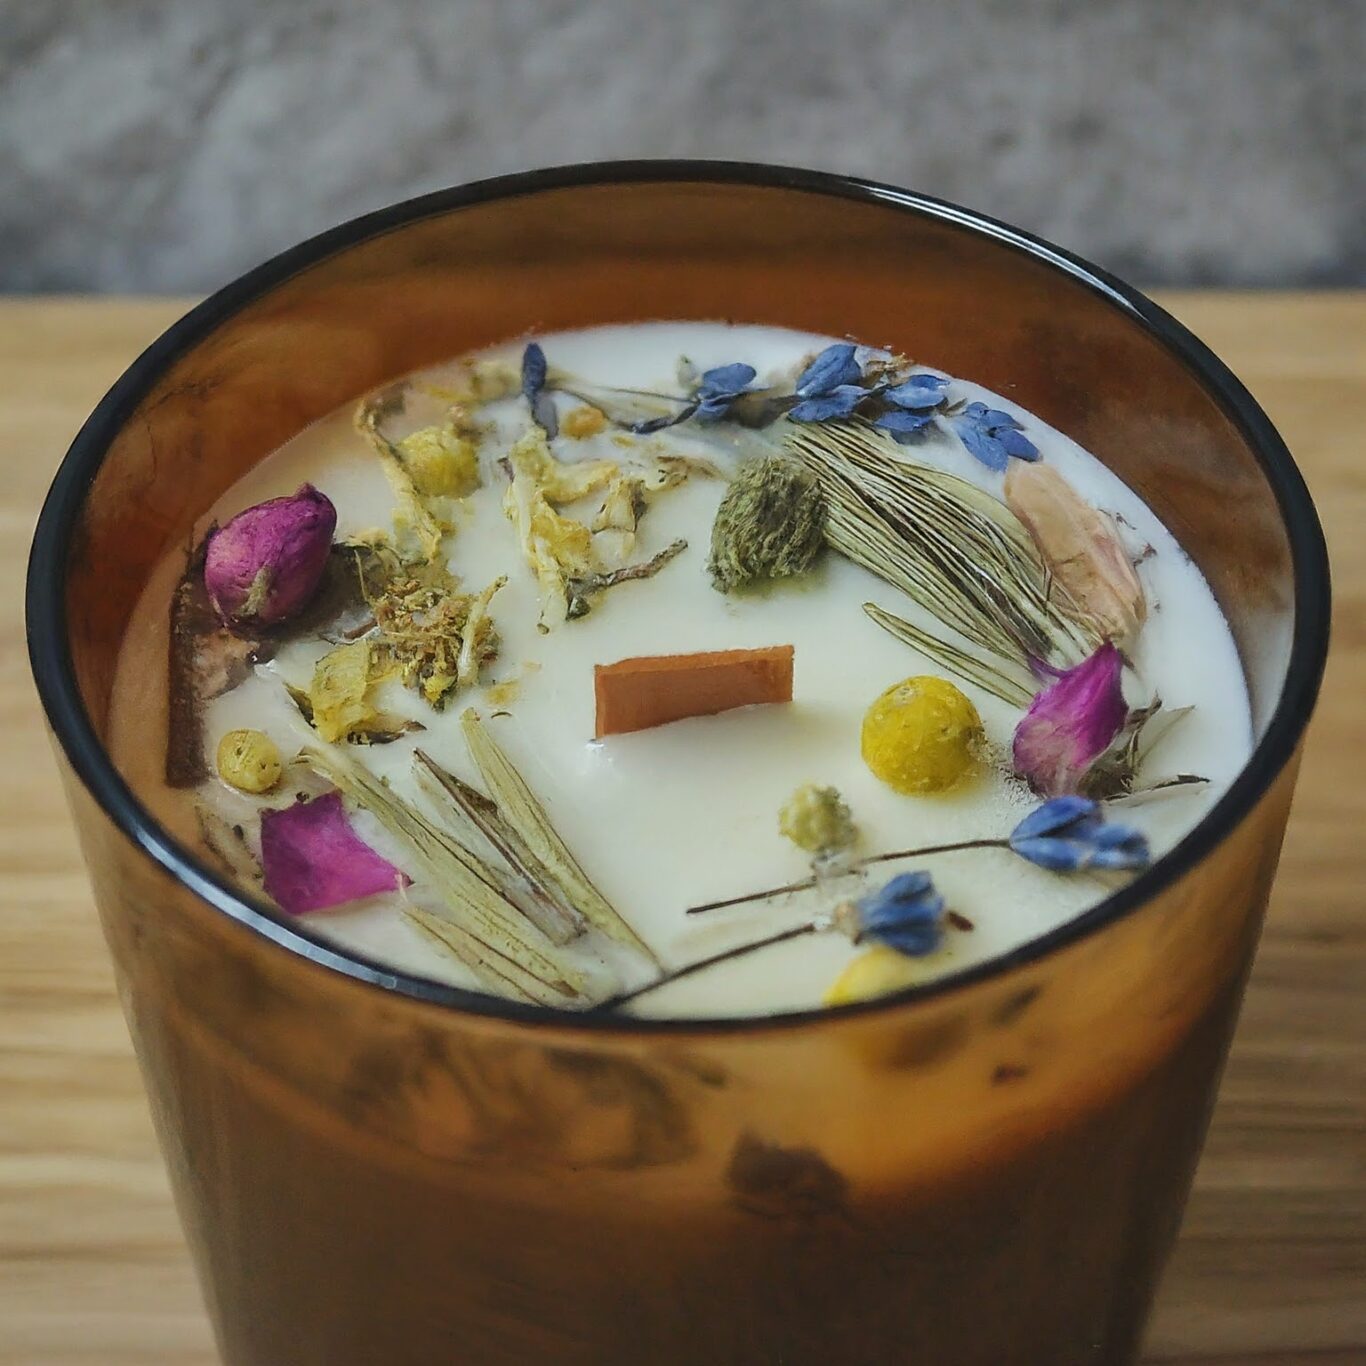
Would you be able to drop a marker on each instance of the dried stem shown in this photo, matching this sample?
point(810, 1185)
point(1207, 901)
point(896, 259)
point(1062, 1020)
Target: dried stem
point(875, 858)
point(811, 927)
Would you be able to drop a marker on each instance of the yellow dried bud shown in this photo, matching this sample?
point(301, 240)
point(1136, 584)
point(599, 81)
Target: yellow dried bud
point(441, 463)
point(1081, 546)
point(249, 761)
point(582, 422)
point(874, 972)
point(816, 819)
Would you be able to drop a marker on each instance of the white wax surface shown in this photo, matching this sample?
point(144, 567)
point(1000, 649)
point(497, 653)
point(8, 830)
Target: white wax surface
point(684, 813)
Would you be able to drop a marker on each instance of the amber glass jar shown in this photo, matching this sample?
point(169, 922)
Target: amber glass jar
point(375, 1170)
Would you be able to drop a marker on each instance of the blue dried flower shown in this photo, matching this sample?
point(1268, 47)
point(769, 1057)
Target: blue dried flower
point(711, 401)
point(1069, 834)
point(834, 368)
point(992, 436)
point(719, 388)
point(533, 389)
point(906, 914)
point(838, 402)
point(918, 393)
point(906, 427)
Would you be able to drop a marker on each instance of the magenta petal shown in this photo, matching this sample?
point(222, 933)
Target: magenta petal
point(264, 565)
point(313, 858)
point(1071, 723)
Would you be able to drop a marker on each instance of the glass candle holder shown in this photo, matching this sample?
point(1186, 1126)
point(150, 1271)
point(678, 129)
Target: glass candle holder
point(373, 1168)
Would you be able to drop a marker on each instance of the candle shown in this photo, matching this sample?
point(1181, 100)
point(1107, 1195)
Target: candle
point(652, 450)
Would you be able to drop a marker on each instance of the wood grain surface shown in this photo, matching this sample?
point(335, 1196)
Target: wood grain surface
point(1271, 1266)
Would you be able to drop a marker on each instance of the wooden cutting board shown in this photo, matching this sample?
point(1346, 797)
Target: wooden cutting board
point(1271, 1267)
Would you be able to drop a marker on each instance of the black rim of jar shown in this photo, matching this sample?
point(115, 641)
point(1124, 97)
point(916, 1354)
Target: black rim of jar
point(53, 671)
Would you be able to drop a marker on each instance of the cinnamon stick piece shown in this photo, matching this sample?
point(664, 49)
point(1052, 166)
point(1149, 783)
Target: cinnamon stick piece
point(635, 694)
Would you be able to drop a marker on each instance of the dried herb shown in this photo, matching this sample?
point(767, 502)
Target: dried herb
point(524, 813)
point(418, 530)
point(955, 550)
point(770, 524)
point(1114, 775)
point(979, 671)
point(481, 925)
point(581, 589)
point(540, 896)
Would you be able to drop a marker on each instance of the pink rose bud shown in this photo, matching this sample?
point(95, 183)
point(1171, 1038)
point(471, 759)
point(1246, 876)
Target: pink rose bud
point(264, 565)
point(1071, 723)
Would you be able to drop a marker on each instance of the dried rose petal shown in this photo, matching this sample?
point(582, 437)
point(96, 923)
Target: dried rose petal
point(1071, 723)
point(313, 859)
point(267, 562)
point(1081, 546)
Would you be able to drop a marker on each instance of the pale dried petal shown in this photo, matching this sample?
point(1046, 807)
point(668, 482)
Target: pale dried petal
point(1082, 548)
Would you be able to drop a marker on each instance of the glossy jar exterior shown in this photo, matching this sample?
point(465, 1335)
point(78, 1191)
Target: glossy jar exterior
point(372, 1169)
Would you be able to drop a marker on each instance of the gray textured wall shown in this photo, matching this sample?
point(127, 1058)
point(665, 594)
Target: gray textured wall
point(168, 144)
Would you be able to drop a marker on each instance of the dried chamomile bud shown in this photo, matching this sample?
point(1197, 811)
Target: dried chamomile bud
point(816, 819)
point(440, 462)
point(249, 761)
point(922, 736)
point(770, 525)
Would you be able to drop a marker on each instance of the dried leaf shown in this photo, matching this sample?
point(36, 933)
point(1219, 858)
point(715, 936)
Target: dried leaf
point(535, 890)
point(959, 553)
point(1082, 548)
point(525, 814)
point(494, 936)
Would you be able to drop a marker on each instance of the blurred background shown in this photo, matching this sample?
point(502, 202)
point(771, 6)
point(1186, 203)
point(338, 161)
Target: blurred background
point(166, 145)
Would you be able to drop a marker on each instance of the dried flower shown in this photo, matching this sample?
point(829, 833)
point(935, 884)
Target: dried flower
point(992, 436)
point(441, 462)
point(1081, 546)
point(770, 524)
point(339, 693)
point(717, 391)
point(583, 421)
point(816, 819)
point(921, 736)
point(265, 564)
point(538, 398)
point(834, 368)
point(313, 859)
point(249, 761)
point(906, 914)
point(1071, 723)
point(1070, 834)
point(911, 406)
